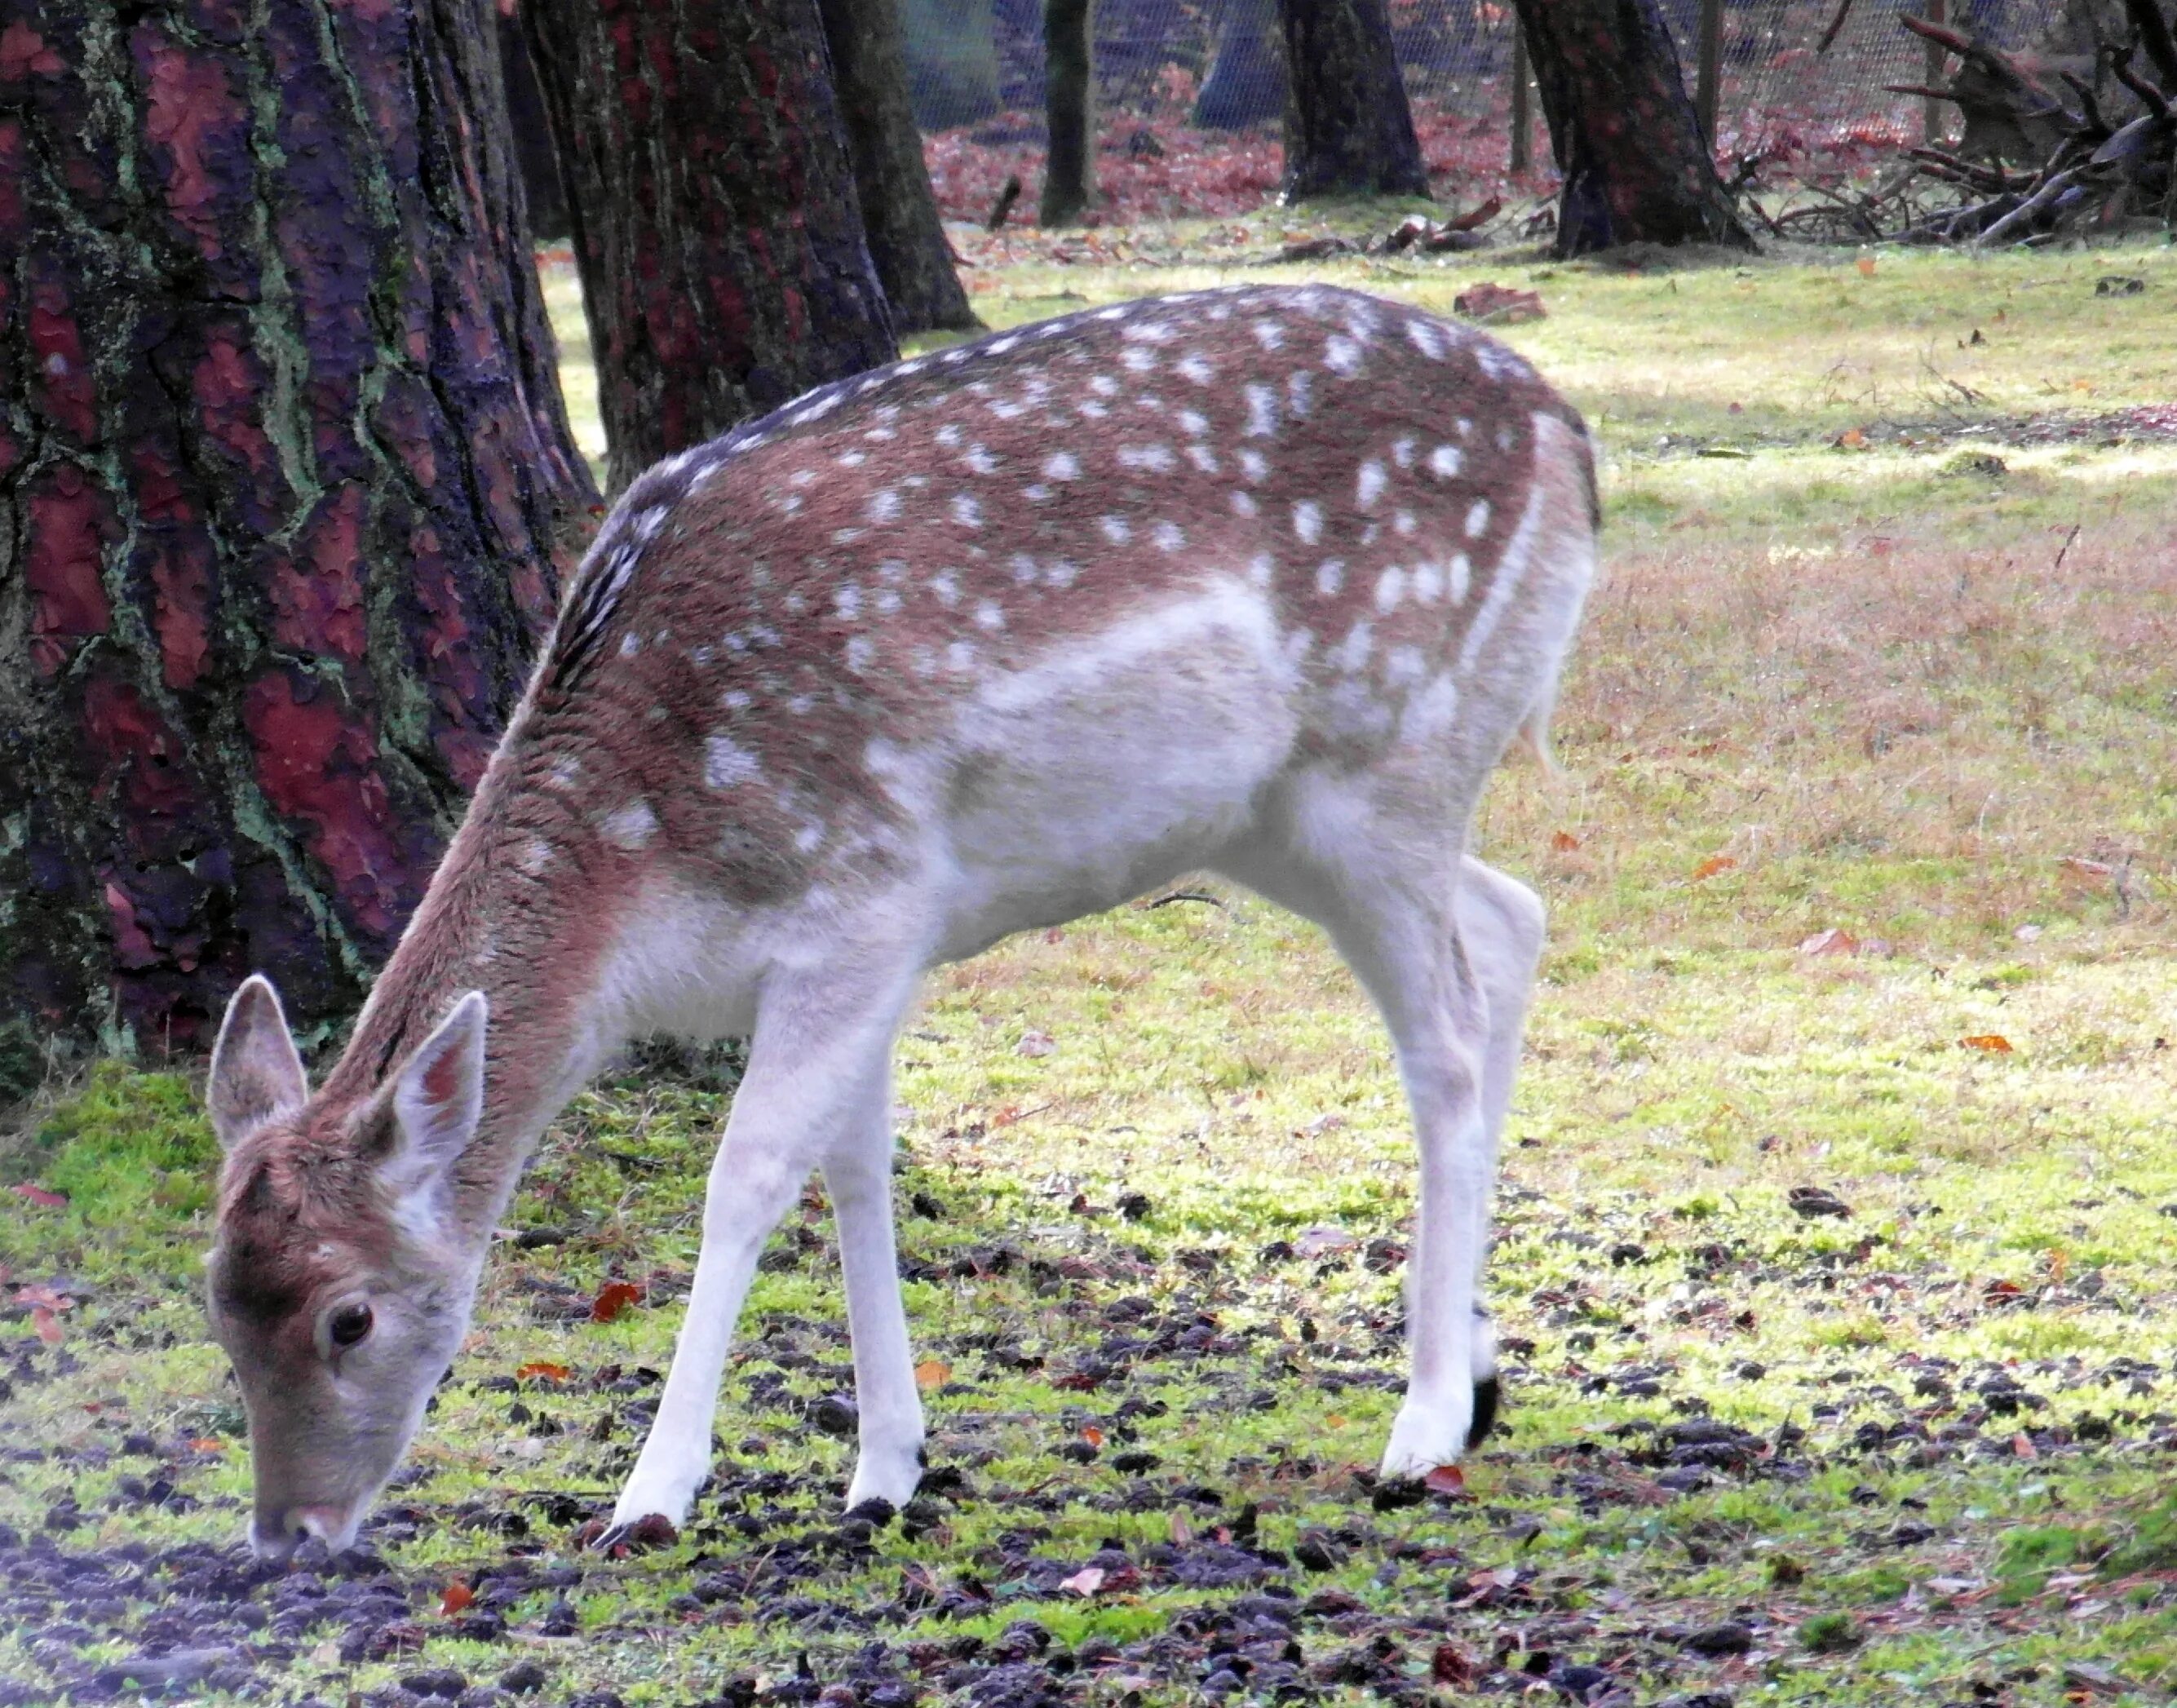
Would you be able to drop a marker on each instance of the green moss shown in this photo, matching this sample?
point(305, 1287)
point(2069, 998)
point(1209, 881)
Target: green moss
point(131, 1150)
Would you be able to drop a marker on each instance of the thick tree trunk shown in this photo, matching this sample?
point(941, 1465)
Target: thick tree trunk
point(284, 478)
point(719, 239)
point(1246, 81)
point(1624, 132)
point(1070, 109)
point(1348, 128)
point(899, 213)
point(531, 133)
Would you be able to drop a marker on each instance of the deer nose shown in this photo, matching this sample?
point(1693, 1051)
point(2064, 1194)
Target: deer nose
point(276, 1541)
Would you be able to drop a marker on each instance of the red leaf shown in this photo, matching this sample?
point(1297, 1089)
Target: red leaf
point(540, 1371)
point(1994, 1042)
point(39, 1195)
point(1713, 865)
point(1564, 841)
point(457, 1597)
point(1445, 1478)
point(47, 1323)
point(613, 1299)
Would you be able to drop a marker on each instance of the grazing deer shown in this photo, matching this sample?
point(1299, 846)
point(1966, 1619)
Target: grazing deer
point(1263, 581)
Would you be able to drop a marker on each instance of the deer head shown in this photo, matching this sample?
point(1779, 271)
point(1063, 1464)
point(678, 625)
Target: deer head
point(342, 1272)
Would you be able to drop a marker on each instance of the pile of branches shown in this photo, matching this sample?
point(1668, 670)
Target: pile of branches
point(2099, 171)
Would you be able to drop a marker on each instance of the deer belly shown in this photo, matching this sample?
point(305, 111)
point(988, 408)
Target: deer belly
point(1119, 759)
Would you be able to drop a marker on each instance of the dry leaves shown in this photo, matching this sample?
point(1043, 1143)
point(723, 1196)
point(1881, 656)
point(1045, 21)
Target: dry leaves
point(456, 1598)
point(541, 1370)
point(1995, 1043)
point(1713, 865)
point(613, 1301)
point(38, 1195)
point(932, 1373)
point(1835, 940)
point(1497, 305)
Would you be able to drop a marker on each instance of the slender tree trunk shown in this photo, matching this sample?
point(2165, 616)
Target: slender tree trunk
point(530, 132)
point(899, 213)
point(1624, 133)
point(284, 482)
point(1246, 81)
point(723, 266)
point(1069, 172)
point(1348, 128)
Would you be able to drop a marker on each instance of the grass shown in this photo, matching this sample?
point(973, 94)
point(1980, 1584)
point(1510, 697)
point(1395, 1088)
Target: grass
point(1820, 689)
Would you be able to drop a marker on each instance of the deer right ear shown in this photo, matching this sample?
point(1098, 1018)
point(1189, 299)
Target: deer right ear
point(256, 1076)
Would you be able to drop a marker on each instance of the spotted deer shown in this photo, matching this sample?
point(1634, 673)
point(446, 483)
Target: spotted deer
point(1260, 580)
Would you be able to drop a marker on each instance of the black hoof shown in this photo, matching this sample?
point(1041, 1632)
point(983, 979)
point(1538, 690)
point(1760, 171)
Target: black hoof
point(1485, 1412)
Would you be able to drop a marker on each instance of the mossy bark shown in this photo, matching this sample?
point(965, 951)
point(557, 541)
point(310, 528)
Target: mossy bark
point(1624, 132)
point(891, 181)
point(1348, 130)
point(285, 481)
point(725, 269)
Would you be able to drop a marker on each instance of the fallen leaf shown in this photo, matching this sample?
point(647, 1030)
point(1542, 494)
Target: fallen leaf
point(1086, 1581)
point(932, 1373)
point(1851, 439)
point(457, 1597)
point(1866, 265)
point(47, 1323)
point(1713, 865)
point(1182, 1532)
point(1564, 842)
point(1835, 940)
point(1034, 1044)
point(613, 1299)
point(1449, 1666)
point(1323, 1240)
point(38, 1195)
point(540, 1370)
point(1093, 1436)
point(207, 1443)
point(2021, 1446)
point(1994, 1042)
point(2079, 867)
point(1445, 1478)
point(1499, 305)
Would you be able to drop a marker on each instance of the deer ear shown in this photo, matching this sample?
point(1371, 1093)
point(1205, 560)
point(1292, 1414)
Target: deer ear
point(256, 1076)
point(438, 1099)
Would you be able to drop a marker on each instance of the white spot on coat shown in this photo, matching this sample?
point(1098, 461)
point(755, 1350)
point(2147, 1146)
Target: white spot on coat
point(1390, 589)
point(1341, 355)
point(1330, 578)
point(1477, 519)
point(1062, 466)
point(1262, 412)
point(967, 510)
point(1446, 460)
point(1369, 486)
point(630, 827)
point(1307, 521)
point(883, 506)
point(1115, 529)
point(727, 764)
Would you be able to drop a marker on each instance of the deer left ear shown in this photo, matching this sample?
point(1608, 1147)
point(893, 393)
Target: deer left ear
point(438, 1100)
point(256, 1076)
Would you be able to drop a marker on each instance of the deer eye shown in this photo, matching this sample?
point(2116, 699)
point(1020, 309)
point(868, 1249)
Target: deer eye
point(347, 1325)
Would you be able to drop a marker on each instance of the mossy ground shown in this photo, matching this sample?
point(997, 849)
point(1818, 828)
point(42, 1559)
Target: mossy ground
point(1155, 1171)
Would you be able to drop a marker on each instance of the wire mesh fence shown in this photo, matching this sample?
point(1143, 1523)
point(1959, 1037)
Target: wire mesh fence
point(1189, 92)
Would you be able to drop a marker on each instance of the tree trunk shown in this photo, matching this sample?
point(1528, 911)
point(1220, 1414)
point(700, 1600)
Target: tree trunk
point(1348, 129)
point(531, 133)
point(1070, 108)
point(952, 61)
point(899, 213)
point(717, 230)
point(284, 482)
point(1246, 81)
point(1625, 134)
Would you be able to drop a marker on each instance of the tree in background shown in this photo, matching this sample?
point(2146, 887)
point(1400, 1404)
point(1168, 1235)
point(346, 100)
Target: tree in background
point(531, 131)
point(1348, 128)
point(952, 61)
point(286, 488)
point(725, 269)
point(891, 181)
point(1624, 130)
point(1246, 81)
point(1069, 172)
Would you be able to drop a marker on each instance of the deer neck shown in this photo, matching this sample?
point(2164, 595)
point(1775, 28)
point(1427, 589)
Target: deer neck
point(508, 915)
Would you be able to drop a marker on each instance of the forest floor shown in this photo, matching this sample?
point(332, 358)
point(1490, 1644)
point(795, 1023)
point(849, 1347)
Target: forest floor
point(1834, 1255)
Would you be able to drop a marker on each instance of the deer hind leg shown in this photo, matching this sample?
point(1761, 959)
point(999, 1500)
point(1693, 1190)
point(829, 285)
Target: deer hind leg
point(817, 1071)
point(1500, 920)
point(1383, 887)
point(858, 1175)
